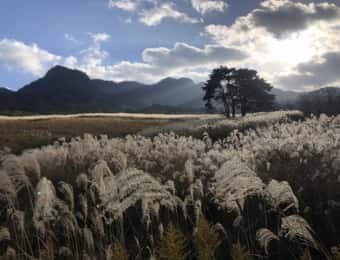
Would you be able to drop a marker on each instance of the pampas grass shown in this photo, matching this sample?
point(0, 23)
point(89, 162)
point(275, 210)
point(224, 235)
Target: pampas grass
point(271, 184)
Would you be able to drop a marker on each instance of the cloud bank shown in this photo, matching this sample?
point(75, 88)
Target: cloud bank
point(284, 38)
point(293, 45)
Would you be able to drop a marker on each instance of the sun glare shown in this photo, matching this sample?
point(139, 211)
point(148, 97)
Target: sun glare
point(293, 50)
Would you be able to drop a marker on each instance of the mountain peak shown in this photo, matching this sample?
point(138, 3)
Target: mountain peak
point(5, 90)
point(61, 71)
point(176, 80)
point(65, 90)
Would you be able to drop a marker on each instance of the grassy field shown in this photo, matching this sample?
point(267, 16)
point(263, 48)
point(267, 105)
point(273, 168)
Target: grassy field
point(265, 186)
point(28, 132)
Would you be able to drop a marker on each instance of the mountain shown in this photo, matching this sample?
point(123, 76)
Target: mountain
point(325, 92)
point(6, 96)
point(64, 90)
point(322, 101)
point(5, 91)
point(285, 97)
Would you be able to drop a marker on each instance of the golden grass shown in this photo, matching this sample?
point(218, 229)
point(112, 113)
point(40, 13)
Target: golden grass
point(23, 133)
point(112, 115)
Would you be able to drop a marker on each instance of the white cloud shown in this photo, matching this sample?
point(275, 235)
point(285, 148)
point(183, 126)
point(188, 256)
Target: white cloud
point(99, 37)
point(281, 34)
point(206, 6)
point(154, 12)
point(285, 16)
point(71, 38)
point(315, 73)
point(157, 14)
point(30, 58)
point(157, 63)
point(70, 61)
point(94, 55)
point(185, 55)
point(128, 20)
point(126, 5)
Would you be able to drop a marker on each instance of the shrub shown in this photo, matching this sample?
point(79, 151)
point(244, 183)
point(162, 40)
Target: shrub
point(116, 252)
point(205, 240)
point(172, 245)
point(239, 252)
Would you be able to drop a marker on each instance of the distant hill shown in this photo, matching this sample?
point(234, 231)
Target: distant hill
point(324, 92)
point(322, 101)
point(64, 90)
point(5, 91)
point(284, 97)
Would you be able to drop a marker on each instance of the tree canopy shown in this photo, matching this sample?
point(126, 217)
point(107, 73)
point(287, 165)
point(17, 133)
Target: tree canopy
point(237, 89)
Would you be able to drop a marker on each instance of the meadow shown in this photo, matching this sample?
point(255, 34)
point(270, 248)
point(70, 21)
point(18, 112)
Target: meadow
point(23, 132)
point(260, 187)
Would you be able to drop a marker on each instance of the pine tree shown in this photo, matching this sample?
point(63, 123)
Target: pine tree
point(232, 87)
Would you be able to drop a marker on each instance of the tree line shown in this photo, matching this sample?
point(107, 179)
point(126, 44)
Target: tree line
point(324, 101)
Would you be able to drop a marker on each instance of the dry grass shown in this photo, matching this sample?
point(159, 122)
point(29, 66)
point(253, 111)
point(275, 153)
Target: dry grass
point(20, 134)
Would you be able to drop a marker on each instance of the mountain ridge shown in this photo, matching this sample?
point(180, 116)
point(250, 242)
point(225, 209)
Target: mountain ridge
point(64, 90)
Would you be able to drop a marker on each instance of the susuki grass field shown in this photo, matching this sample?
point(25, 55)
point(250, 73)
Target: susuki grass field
point(260, 187)
point(23, 132)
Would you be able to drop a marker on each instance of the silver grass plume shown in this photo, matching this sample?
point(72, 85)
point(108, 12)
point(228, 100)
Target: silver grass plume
point(7, 191)
point(118, 162)
point(233, 183)
point(82, 182)
point(102, 181)
point(197, 189)
point(170, 187)
point(264, 237)
point(66, 221)
point(5, 235)
point(10, 254)
point(118, 193)
point(59, 155)
point(66, 193)
point(135, 185)
point(65, 253)
point(44, 211)
point(84, 207)
point(87, 238)
point(31, 167)
point(282, 196)
point(16, 172)
point(189, 170)
point(97, 225)
point(295, 228)
point(17, 218)
point(86, 257)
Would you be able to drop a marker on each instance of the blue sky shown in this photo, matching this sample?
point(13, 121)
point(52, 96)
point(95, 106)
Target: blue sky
point(291, 43)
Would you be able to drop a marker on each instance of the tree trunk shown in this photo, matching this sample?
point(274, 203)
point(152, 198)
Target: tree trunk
point(226, 109)
point(244, 107)
point(233, 105)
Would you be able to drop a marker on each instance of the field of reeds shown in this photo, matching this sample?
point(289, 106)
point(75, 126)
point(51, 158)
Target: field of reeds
point(266, 188)
point(24, 132)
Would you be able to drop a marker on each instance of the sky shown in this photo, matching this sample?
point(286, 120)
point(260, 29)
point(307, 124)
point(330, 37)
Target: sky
point(293, 44)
